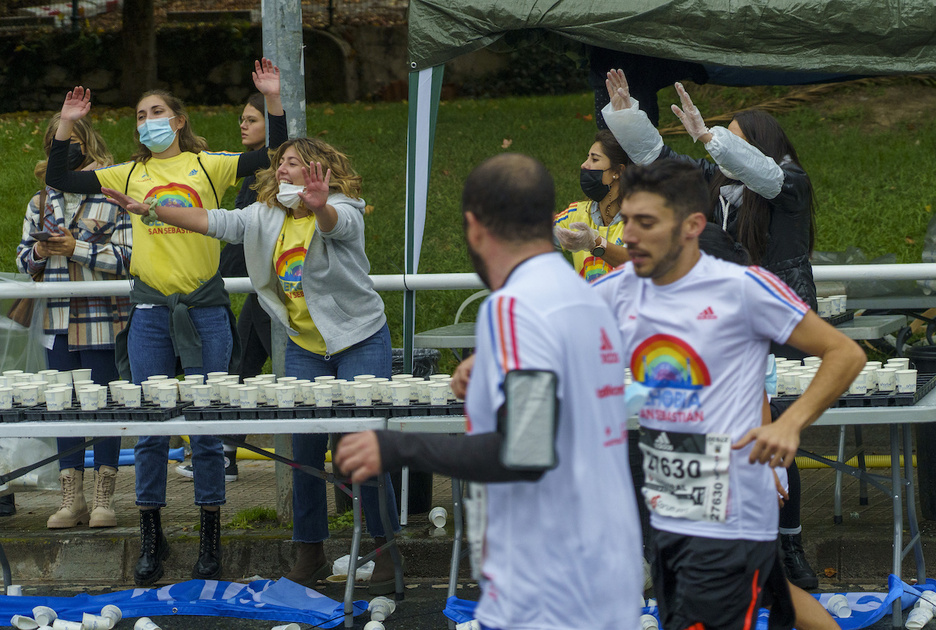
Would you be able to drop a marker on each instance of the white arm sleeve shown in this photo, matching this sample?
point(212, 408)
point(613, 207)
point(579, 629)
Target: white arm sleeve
point(754, 169)
point(634, 132)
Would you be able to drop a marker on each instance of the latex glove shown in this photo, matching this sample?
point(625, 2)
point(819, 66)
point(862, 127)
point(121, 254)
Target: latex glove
point(579, 238)
point(689, 115)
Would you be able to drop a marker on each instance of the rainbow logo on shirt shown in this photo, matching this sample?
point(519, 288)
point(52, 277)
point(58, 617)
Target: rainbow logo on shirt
point(177, 196)
point(593, 268)
point(667, 361)
point(289, 269)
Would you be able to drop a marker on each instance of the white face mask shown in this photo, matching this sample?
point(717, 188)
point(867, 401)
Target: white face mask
point(288, 195)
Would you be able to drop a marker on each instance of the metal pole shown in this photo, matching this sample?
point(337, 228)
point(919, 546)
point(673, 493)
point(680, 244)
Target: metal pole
point(74, 17)
point(282, 43)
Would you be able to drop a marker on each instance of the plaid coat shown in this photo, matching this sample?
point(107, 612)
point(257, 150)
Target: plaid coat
point(102, 252)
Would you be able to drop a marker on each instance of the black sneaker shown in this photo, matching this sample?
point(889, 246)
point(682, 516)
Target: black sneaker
point(230, 470)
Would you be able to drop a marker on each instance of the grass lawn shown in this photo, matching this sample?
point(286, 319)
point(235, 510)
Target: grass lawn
point(868, 148)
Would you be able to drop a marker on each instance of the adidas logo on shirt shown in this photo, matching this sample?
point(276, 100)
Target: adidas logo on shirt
point(662, 443)
point(708, 313)
point(194, 172)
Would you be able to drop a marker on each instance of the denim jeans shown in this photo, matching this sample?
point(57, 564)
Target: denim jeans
point(151, 353)
point(310, 510)
point(103, 371)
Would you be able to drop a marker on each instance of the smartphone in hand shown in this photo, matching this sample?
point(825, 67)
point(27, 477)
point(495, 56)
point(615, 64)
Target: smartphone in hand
point(41, 236)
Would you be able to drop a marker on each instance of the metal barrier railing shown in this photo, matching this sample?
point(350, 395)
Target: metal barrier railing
point(437, 281)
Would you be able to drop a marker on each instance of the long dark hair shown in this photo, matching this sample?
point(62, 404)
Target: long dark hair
point(764, 132)
point(619, 161)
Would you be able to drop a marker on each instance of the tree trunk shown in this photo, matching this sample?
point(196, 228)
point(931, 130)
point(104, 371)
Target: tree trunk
point(139, 50)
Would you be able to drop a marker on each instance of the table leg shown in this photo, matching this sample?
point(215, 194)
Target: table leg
point(862, 484)
point(391, 547)
point(910, 494)
point(837, 509)
point(897, 502)
point(457, 542)
point(404, 495)
point(352, 564)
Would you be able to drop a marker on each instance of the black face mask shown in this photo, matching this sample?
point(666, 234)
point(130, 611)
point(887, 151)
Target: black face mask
point(75, 157)
point(592, 186)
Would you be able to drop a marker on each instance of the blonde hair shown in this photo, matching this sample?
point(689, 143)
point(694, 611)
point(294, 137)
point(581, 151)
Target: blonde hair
point(344, 179)
point(188, 141)
point(95, 149)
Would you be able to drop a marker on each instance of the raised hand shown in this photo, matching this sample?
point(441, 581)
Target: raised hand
point(315, 194)
point(266, 77)
point(77, 104)
point(618, 91)
point(689, 115)
point(126, 202)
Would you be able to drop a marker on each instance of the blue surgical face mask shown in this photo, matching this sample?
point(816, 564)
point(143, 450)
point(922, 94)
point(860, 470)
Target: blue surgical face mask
point(157, 134)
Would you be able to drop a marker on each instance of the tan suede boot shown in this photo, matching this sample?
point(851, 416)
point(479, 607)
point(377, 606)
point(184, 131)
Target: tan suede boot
point(74, 510)
point(105, 480)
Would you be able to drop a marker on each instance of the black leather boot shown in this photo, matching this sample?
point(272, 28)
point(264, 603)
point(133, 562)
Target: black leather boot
point(7, 505)
point(208, 566)
point(154, 549)
point(794, 561)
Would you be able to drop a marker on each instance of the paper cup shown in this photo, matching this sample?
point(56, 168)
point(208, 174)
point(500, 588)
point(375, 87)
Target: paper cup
point(438, 393)
point(789, 383)
point(287, 380)
point(825, 307)
point(362, 394)
point(81, 374)
point(906, 381)
point(400, 394)
point(860, 385)
point(195, 379)
point(886, 379)
point(6, 397)
point(285, 396)
point(423, 396)
point(201, 395)
point(145, 623)
point(347, 392)
point(874, 365)
point(114, 387)
point(148, 388)
point(438, 516)
point(401, 377)
point(323, 395)
point(838, 606)
point(803, 379)
point(211, 375)
point(12, 373)
point(898, 363)
point(871, 375)
point(323, 379)
point(307, 393)
point(55, 401)
point(224, 394)
point(361, 378)
point(29, 395)
point(167, 395)
point(113, 613)
point(269, 393)
point(840, 303)
point(94, 622)
point(185, 390)
point(248, 397)
point(131, 395)
point(812, 362)
point(44, 615)
point(439, 377)
point(234, 392)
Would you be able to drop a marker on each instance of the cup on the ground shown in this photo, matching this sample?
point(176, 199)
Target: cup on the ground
point(44, 615)
point(201, 395)
point(838, 606)
point(648, 622)
point(859, 386)
point(113, 613)
point(400, 394)
point(438, 516)
point(288, 626)
point(906, 381)
point(132, 396)
point(380, 608)
point(145, 623)
point(94, 622)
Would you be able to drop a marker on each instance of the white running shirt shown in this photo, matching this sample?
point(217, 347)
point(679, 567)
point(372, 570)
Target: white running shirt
point(700, 344)
point(561, 553)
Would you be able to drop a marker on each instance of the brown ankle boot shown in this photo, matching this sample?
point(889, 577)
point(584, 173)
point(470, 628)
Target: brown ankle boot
point(103, 515)
point(74, 510)
point(383, 579)
point(311, 565)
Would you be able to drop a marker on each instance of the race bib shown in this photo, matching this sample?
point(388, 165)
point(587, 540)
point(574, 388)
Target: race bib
point(686, 474)
point(476, 517)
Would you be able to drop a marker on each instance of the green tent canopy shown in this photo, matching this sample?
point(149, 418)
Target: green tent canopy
point(862, 37)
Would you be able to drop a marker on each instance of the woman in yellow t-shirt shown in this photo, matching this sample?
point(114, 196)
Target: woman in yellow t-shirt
point(304, 247)
point(591, 229)
point(181, 313)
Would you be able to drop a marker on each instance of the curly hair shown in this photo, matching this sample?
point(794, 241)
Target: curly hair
point(344, 179)
point(95, 149)
point(188, 141)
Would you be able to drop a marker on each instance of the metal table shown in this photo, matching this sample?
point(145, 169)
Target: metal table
point(872, 326)
point(179, 426)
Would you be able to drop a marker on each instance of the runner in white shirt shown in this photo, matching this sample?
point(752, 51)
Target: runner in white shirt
point(697, 332)
point(547, 429)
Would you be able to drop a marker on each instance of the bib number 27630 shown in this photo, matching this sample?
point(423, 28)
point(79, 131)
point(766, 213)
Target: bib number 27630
point(686, 474)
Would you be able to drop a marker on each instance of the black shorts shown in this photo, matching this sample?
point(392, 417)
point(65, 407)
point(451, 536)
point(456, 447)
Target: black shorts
point(712, 584)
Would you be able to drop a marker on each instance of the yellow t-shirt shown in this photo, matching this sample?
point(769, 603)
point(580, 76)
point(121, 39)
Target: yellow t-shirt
point(288, 257)
point(167, 258)
point(590, 267)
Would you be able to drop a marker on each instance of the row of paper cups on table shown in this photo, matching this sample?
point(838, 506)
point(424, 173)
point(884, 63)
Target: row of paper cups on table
point(894, 376)
point(831, 306)
point(324, 391)
point(29, 389)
